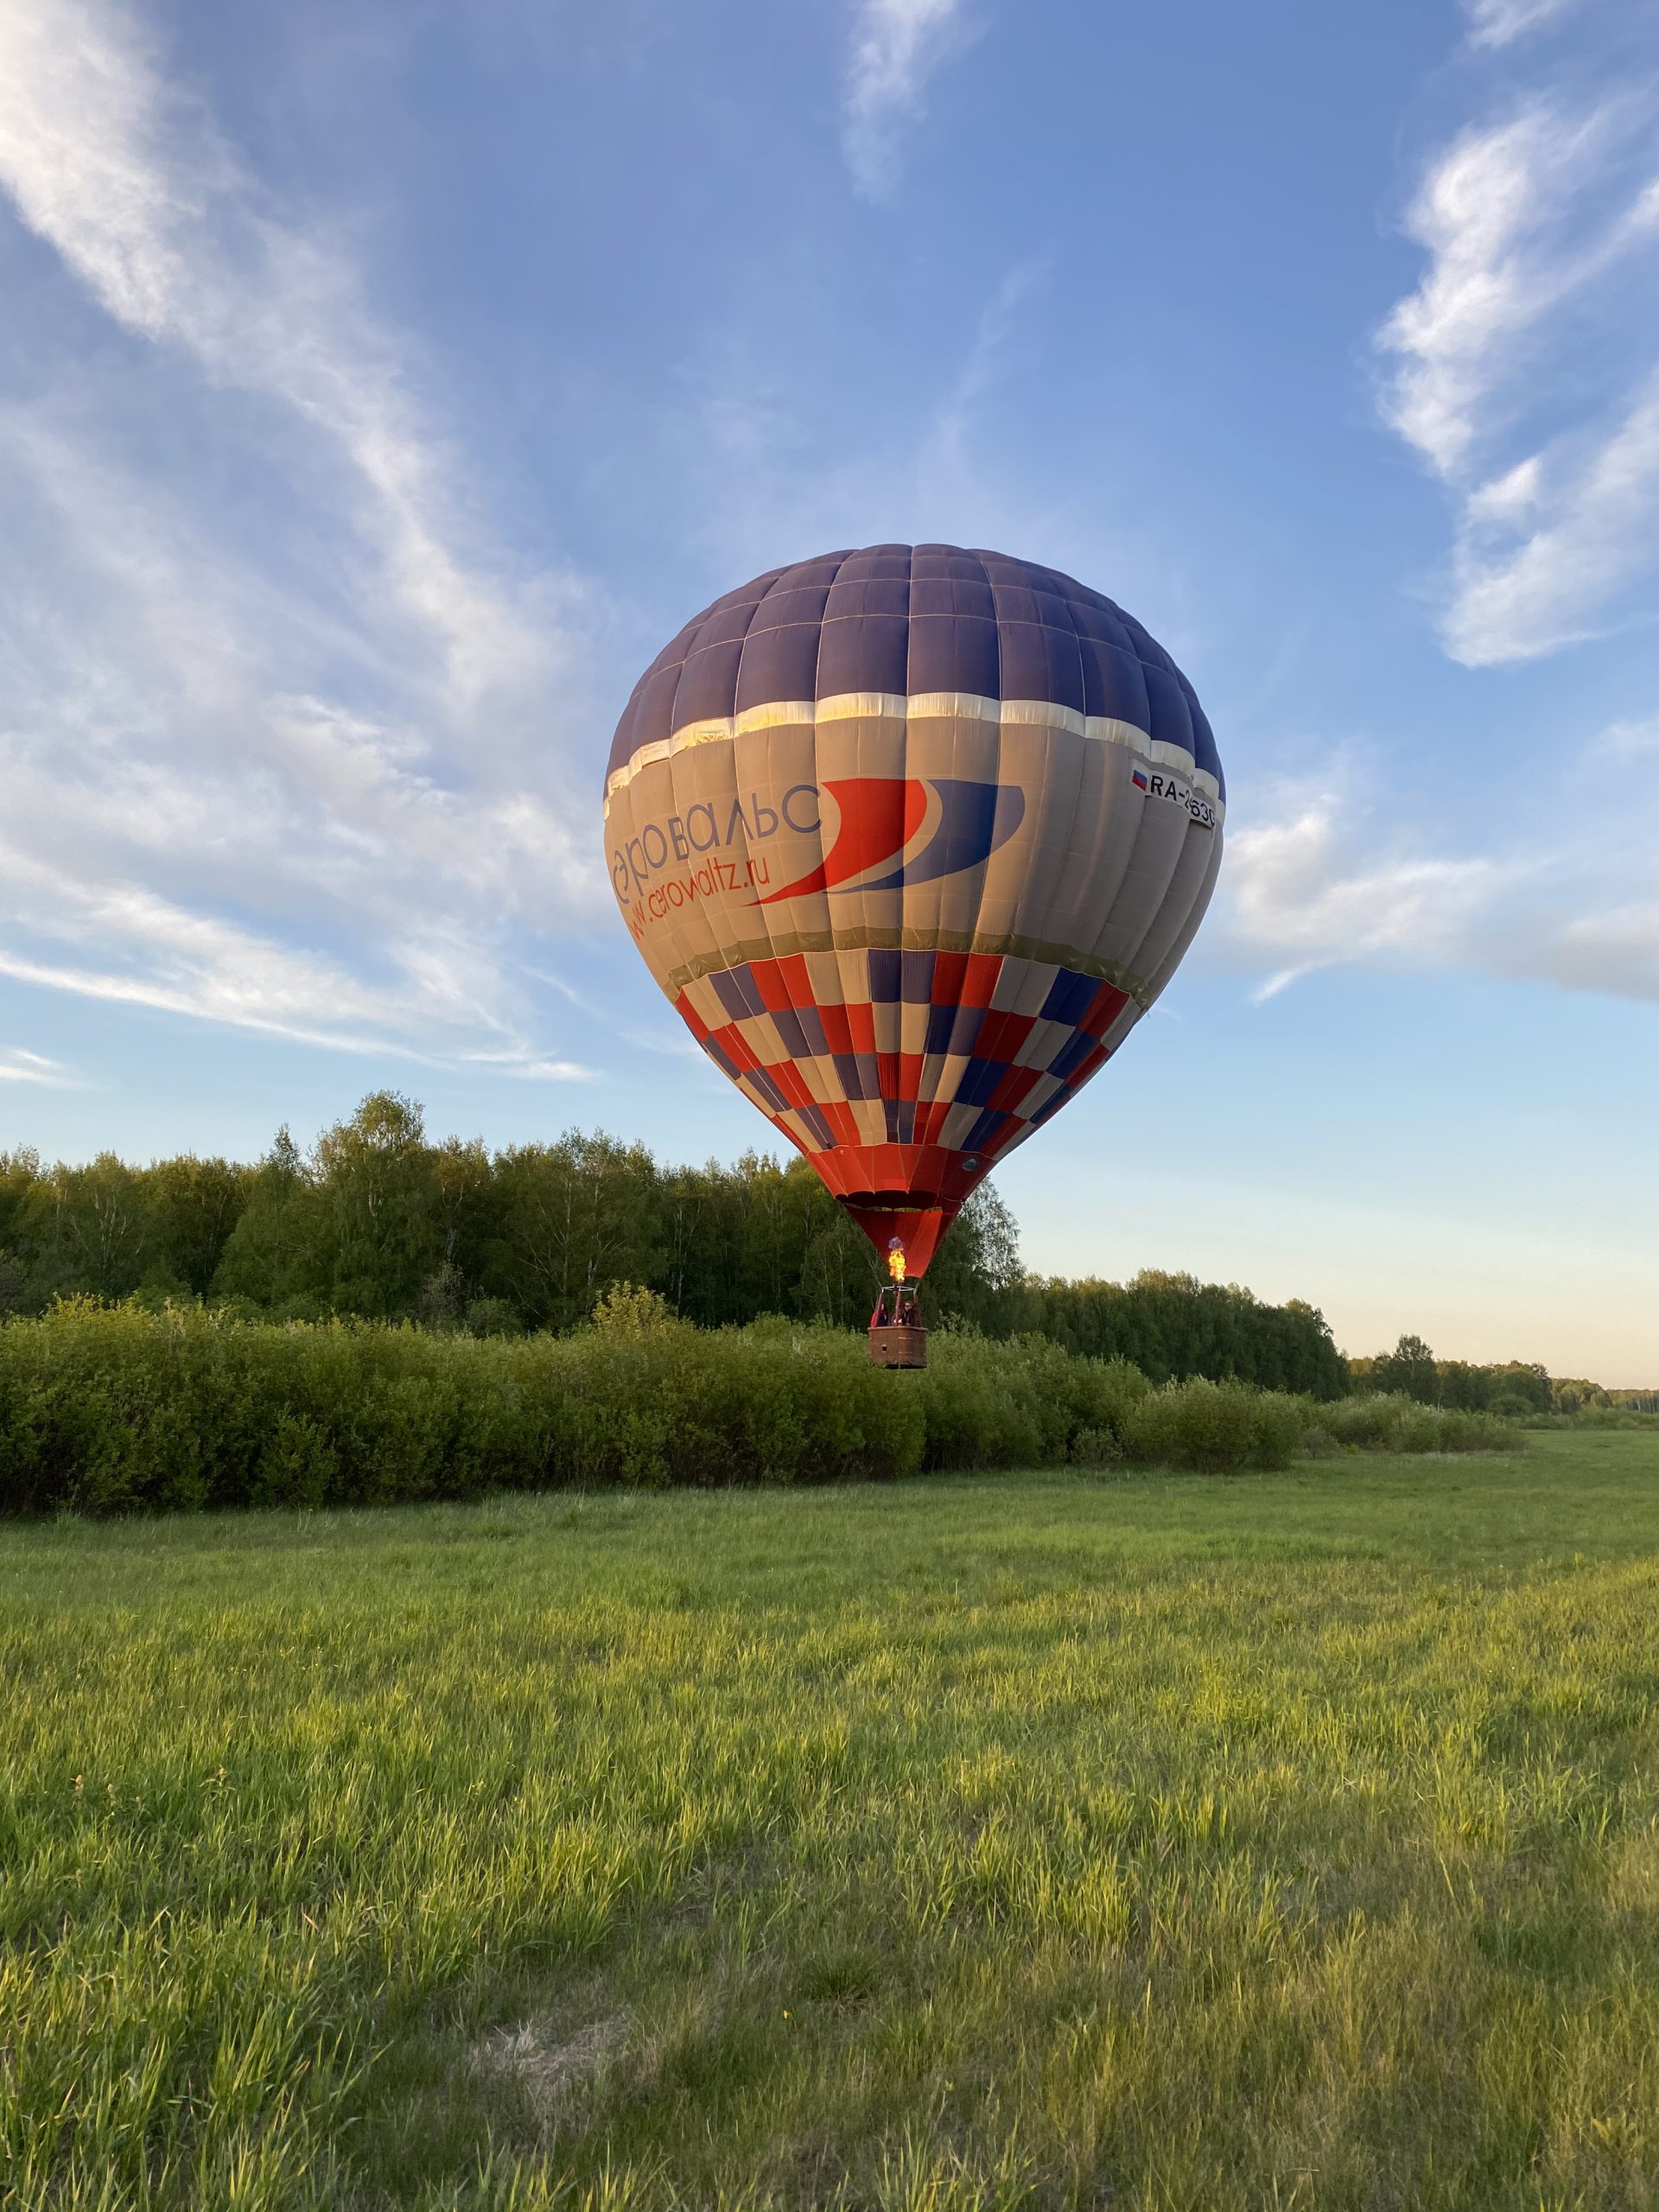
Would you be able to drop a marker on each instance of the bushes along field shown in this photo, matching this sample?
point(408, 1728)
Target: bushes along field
point(121, 1408)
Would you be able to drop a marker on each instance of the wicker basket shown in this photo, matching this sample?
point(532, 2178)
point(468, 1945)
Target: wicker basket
point(898, 1344)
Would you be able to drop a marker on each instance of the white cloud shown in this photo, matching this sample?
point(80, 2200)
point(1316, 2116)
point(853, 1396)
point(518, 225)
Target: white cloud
point(1304, 890)
point(1617, 951)
point(18, 1066)
point(1498, 22)
point(128, 178)
point(1535, 576)
point(1523, 369)
point(897, 46)
point(1481, 215)
point(1300, 896)
point(312, 794)
point(1501, 215)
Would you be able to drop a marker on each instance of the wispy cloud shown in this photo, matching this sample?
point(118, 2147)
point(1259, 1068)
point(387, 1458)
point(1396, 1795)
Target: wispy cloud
point(1577, 526)
point(128, 177)
point(19, 1067)
point(1523, 367)
point(1500, 23)
point(767, 477)
point(944, 452)
point(1629, 740)
point(897, 46)
point(1308, 888)
point(246, 783)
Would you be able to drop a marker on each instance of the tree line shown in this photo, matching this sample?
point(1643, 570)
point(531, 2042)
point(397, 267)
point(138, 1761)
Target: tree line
point(377, 1221)
point(1511, 1388)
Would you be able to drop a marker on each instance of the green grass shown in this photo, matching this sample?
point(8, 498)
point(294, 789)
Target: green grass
point(1136, 1842)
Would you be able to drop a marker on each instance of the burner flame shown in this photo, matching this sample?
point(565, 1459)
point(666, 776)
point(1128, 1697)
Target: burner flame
point(896, 1261)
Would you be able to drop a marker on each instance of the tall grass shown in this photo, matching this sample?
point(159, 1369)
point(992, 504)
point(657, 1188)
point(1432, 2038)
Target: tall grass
point(118, 1408)
point(1034, 1842)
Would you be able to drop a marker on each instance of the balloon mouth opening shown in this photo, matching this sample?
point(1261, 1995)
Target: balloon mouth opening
point(905, 1228)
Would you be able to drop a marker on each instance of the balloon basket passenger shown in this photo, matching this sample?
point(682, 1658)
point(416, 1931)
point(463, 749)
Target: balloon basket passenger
point(897, 1336)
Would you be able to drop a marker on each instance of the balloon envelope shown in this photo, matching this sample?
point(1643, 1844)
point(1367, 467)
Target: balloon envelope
point(912, 837)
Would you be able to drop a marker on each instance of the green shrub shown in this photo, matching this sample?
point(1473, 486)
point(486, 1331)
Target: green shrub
point(494, 1317)
point(1022, 1403)
point(1214, 1427)
point(626, 1310)
point(1095, 1447)
point(1388, 1422)
point(1512, 1405)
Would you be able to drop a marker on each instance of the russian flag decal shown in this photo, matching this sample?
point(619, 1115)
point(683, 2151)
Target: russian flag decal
point(1137, 777)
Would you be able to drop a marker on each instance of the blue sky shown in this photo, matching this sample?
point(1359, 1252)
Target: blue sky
point(381, 383)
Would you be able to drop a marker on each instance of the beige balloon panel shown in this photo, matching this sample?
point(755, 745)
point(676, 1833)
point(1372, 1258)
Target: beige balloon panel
point(1099, 875)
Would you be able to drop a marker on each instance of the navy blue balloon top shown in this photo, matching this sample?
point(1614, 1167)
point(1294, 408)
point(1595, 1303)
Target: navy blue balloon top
point(913, 618)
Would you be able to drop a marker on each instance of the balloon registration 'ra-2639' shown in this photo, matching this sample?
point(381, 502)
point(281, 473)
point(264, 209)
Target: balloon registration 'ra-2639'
point(912, 837)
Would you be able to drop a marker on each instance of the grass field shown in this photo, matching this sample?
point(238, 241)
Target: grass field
point(1135, 1841)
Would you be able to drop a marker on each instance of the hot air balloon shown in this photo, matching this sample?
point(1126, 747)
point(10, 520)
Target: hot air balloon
point(912, 837)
